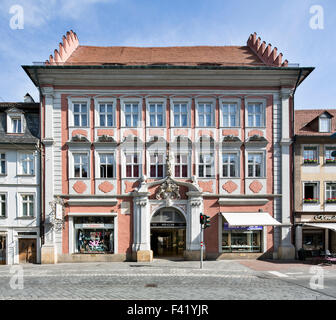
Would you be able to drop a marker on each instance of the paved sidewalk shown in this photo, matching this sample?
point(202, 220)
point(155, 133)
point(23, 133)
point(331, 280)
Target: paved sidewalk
point(163, 279)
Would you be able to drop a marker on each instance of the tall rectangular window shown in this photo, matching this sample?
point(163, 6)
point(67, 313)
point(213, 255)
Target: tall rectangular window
point(230, 114)
point(230, 165)
point(310, 155)
point(27, 163)
point(331, 192)
point(206, 165)
point(156, 165)
point(2, 205)
point(80, 112)
point(181, 165)
point(16, 125)
point(156, 115)
point(205, 115)
point(106, 116)
point(328, 157)
point(255, 115)
point(255, 165)
point(106, 162)
point(2, 163)
point(132, 165)
point(131, 114)
point(27, 205)
point(81, 165)
point(310, 192)
point(180, 115)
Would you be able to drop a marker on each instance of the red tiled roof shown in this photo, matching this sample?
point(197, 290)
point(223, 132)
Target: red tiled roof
point(304, 124)
point(195, 55)
point(255, 53)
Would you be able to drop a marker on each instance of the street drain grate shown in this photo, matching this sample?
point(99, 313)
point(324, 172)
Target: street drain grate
point(151, 285)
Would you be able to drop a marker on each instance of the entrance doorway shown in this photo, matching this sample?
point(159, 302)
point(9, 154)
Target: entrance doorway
point(168, 233)
point(27, 250)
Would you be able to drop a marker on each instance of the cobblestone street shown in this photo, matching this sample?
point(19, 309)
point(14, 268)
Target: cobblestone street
point(162, 279)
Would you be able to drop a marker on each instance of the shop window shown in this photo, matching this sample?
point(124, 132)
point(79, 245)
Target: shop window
point(313, 239)
point(311, 192)
point(94, 234)
point(241, 239)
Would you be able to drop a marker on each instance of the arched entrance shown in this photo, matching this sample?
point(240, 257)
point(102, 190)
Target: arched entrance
point(168, 233)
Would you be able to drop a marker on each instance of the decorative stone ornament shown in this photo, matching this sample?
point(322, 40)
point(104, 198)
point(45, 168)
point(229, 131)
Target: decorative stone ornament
point(56, 216)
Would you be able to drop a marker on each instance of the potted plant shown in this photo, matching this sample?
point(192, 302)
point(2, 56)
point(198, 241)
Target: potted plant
point(310, 200)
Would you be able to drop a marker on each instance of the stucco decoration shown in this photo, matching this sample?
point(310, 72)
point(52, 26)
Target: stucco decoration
point(255, 186)
point(130, 185)
point(79, 132)
point(255, 133)
point(230, 132)
point(106, 187)
point(79, 187)
point(206, 185)
point(229, 186)
point(56, 216)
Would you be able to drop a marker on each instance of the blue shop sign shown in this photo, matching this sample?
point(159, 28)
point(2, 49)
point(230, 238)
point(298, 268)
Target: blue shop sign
point(249, 228)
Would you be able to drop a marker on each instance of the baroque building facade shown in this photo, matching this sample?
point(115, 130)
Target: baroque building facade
point(138, 142)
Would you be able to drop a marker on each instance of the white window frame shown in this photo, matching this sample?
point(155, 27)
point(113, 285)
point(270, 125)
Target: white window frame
point(263, 164)
point(10, 125)
point(98, 172)
point(3, 214)
point(263, 113)
point(156, 101)
point(97, 102)
point(200, 153)
point(20, 199)
point(20, 163)
point(124, 170)
point(123, 103)
point(149, 164)
point(186, 101)
point(316, 191)
point(72, 164)
point(326, 190)
point(71, 102)
point(223, 101)
point(325, 152)
point(182, 152)
point(311, 146)
point(324, 117)
point(5, 161)
point(237, 153)
point(210, 101)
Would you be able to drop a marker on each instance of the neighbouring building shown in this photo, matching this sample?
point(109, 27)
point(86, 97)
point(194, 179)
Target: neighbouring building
point(315, 180)
point(20, 182)
point(138, 142)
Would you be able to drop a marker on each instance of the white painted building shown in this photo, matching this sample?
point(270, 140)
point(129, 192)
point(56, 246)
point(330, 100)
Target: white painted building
point(19, 183)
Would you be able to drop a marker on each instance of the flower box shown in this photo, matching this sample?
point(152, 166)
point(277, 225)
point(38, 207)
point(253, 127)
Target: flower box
point(309, 200)
point(331, 161)
point(331, 200)
point(310, 161)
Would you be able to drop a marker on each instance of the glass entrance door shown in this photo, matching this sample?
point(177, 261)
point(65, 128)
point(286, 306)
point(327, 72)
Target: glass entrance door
point(168, 242)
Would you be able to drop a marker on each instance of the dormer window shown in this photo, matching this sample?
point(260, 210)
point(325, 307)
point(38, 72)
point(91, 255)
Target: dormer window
point(324, 123)
point(15, 121)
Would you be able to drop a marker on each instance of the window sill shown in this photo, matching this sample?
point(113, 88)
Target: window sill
point(25, 218)
point(311, 164)
point(25, 175)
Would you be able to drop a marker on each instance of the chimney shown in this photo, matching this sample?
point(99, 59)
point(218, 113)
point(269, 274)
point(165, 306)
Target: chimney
point(28, 98)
